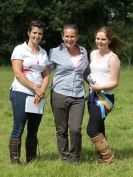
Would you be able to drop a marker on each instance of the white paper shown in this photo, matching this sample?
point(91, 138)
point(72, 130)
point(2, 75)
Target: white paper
point(30, 107)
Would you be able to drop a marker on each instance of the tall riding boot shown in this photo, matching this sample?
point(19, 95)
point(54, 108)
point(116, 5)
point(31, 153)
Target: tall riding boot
point(106, 155)
point(14, 149)
point(31, 149)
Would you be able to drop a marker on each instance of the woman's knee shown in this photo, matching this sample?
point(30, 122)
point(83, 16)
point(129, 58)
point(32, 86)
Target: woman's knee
point(89, 132)
point(92, 133)
point(75, 131)
point(17, 131)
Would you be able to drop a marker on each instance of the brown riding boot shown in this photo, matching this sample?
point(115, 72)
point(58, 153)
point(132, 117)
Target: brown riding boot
point(31, 149)
point(14, 149)
point(106, 155)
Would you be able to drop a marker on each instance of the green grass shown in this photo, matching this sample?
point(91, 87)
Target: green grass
point(119, 130)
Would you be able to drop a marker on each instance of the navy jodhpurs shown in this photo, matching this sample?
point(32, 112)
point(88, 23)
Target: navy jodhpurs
point(20, 117)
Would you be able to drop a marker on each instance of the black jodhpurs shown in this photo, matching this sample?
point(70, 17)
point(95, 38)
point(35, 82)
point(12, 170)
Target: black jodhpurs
point(96, 123)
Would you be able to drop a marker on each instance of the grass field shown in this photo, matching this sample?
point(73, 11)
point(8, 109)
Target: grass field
point(119, 130)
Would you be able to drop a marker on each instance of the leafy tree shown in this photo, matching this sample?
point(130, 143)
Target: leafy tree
point(15, 15)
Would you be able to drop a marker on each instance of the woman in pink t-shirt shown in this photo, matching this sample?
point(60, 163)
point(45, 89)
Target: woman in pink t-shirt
point(31, 71)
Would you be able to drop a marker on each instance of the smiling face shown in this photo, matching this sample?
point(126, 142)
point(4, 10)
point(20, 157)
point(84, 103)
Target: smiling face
point(102, 41)
point(69, 37)
point(35, 35)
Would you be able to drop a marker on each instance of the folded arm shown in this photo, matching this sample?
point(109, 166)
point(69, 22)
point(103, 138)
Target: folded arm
point(17, 66)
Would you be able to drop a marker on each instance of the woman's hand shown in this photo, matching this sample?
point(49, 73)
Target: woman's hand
point(95, 86)
point(39, 91)
point(37, 99)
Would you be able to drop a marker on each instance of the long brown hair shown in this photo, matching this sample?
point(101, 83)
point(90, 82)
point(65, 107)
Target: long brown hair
point(116, 42)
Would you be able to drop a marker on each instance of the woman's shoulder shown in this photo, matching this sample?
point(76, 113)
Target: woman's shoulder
point(43, 51)
point(82, 47)
point(93, 53)
point(19, 46)
point(56, 49)
point(19, 49)
point(55, 52)
point(113, 57)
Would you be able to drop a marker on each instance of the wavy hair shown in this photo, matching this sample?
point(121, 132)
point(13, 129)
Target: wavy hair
point(115, 41)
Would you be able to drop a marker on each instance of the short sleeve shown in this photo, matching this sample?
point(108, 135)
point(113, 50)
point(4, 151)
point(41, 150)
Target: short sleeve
point(47, 60)
point(17, 53)
point(51, 63)
point(45, 56)
point(93, 54)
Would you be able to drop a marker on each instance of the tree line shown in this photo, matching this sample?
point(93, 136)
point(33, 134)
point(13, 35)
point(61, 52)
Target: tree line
point(15, 15)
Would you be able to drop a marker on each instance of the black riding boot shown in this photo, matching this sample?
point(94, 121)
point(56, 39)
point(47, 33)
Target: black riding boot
point(31, 149)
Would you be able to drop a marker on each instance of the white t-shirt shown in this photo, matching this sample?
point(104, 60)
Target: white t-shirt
point(100, 70)
point(33, 66)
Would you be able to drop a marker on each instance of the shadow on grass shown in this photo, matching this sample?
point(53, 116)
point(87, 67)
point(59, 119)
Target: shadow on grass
point(122, 154)
point(49, 156)
point(90, 155)
point(87, 155)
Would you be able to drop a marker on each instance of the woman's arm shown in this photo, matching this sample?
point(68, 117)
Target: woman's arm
point(41, 91)
point(86, 73)
point(44, 85)
point(17, 66)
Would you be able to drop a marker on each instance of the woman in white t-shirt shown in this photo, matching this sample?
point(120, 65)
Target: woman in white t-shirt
point(31, 71)
point(104, 77)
